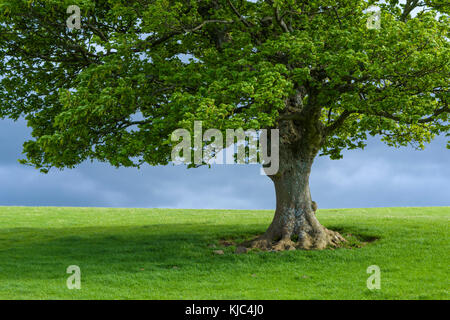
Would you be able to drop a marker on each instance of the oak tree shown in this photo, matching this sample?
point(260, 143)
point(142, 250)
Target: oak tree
point(115, 89)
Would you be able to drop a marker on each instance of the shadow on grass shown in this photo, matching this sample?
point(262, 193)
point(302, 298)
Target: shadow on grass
point(362, 234)
point(130, 249)
point(356, 237)
point(157, 246)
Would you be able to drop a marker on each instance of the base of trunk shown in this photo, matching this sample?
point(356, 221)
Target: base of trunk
point(315, 240)
point(306, 238)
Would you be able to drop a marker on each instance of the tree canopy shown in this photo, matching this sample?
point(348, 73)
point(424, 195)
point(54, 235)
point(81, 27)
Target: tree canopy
point(117, 88)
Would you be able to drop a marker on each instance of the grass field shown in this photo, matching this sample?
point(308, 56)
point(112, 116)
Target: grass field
point(169, 254)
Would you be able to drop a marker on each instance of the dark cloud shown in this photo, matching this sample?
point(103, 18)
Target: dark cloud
point(377, 176)
point(12, 136)
point(384, 176)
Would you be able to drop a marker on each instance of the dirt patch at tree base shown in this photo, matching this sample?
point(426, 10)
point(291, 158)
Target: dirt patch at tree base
point(334, 240)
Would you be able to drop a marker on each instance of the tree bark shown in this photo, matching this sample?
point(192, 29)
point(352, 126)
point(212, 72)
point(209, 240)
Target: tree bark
point(295, 225)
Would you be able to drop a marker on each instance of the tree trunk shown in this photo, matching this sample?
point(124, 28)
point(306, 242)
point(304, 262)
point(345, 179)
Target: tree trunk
point(295, 225)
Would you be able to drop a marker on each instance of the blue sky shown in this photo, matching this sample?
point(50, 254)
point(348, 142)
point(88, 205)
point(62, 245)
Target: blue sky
point(378, 176)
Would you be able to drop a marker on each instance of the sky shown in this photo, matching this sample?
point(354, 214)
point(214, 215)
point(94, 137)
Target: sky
point(378, 176)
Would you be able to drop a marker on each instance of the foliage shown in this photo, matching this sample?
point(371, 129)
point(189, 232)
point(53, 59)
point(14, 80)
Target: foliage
point(117, 88)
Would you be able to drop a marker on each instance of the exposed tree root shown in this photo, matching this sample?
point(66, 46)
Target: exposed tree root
point(306, 241)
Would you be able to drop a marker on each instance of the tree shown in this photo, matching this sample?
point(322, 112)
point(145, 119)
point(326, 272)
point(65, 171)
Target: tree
point(117, 88)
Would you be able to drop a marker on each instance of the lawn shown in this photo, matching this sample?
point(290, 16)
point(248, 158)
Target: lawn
point(169, 254)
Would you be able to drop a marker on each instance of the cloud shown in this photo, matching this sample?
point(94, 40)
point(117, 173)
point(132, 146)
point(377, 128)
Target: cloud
point(382, 176)
point(377, 176)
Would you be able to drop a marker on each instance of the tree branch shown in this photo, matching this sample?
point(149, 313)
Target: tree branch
point(236, 12)
point(431, 118)
point(345, 114)
point(409, 7)
point(338, 122)
point(174, 33)
point(278, 17)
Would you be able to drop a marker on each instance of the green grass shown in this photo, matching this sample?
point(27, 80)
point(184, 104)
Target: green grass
point(167, 254)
